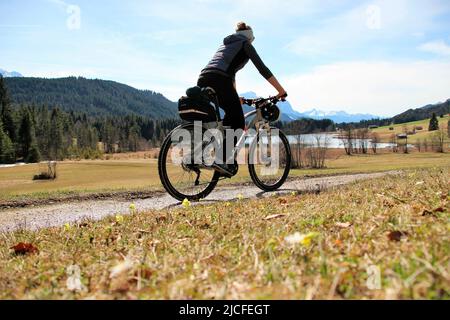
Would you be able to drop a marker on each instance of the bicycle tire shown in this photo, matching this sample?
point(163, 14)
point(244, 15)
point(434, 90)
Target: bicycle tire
point(252, 170)
point(162, 171)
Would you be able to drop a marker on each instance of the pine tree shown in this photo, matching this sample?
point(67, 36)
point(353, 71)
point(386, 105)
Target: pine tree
point(25, 136)
point(7, 152)
point(27, 139)
point(434, 123)
point(33, 155)
point(56, 136)
point(42, 130)
point(7, 115)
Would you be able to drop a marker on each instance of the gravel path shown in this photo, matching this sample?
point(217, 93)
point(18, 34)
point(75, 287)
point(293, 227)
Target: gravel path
point(33, 218)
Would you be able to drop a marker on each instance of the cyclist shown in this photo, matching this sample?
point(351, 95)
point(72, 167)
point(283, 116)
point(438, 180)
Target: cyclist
point(220, 73)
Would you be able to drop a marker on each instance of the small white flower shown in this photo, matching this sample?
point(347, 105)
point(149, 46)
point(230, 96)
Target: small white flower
point(303, 239)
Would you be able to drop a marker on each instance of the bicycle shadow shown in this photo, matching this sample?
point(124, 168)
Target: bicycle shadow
point(259, 195)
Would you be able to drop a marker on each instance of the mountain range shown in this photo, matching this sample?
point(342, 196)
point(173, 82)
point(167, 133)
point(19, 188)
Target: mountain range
point(289, 114)
point(425, 112)
point(11, 74)
point(93, 97)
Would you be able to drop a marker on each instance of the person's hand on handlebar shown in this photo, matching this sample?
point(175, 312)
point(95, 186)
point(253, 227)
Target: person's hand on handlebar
point(282, 95)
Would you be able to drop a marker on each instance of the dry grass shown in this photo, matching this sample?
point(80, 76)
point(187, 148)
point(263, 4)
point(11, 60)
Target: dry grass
point(234, 251)
point(385, 133)
point(94, 176)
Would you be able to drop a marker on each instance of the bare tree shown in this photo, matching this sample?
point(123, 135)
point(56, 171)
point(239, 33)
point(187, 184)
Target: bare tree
point(439, 140)
point(374, 141)
point(316, 154)
point(297, 161)
point(347, 140)
point(425, 144)
point(418, 145)
point(363, 140)
point(394, 143)
point(405, 147)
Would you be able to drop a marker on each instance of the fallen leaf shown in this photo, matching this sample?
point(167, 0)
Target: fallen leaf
point(24, 248)
point(343, 224)
point(144, 273)
point(427, 213)
point(274, 216)
point(397, 235)
point(161, 219)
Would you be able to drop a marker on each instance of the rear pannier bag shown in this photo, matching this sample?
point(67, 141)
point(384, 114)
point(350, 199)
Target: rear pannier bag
point(197, 106)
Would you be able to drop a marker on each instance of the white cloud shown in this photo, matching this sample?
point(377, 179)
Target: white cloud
point(438, 47)
point(384, 88)
point(368, 23)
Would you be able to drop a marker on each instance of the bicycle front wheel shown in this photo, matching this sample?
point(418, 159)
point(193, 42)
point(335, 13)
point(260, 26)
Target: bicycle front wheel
point(269, 159)
point(180, 175)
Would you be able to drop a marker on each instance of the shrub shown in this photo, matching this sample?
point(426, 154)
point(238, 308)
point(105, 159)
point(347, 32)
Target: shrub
point(50, 174)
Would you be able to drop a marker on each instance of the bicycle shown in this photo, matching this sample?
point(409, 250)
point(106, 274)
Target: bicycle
point(201, 179)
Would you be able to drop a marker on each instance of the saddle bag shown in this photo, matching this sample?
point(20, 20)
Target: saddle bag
point(198, 105)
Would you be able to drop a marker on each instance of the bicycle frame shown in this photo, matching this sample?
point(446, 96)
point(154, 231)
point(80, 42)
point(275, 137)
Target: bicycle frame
point(258, 122)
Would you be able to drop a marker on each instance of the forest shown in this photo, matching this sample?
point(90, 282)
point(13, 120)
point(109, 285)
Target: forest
point(33, 133)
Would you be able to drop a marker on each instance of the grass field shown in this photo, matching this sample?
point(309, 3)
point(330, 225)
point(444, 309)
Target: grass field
point(385, 133)
point(85, 177)
point(379, 239)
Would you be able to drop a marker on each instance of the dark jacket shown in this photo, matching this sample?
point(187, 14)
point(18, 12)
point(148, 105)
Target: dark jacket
point(233, 55)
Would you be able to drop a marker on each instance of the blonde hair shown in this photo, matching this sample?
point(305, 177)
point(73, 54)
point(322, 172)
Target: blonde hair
point(241, 26)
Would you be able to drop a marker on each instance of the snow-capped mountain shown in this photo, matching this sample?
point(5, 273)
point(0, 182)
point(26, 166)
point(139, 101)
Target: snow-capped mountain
point(289, 114)
point(338, 116)
point(11, 74)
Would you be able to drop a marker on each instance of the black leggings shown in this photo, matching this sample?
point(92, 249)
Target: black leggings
point(227, 96)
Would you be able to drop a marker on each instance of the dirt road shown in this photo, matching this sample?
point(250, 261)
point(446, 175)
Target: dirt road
point(57, 214)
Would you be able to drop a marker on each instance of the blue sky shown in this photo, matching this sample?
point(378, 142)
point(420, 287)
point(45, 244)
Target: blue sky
point(378, 57)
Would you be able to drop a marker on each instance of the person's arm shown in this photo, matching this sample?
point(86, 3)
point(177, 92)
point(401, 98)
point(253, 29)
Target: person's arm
point(274, 82)
point(262, 68)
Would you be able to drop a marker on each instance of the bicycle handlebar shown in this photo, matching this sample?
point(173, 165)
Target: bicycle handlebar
point(259, 101)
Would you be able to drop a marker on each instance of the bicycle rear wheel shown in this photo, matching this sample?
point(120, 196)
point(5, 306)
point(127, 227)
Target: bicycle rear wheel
point(269, 159)
point(180, 175)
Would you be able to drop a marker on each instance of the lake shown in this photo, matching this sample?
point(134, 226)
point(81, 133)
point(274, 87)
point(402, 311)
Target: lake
point(333, 140)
